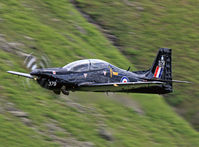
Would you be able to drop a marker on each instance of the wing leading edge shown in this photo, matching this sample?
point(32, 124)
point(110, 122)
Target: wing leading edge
point(116, 87)
point(21, 74)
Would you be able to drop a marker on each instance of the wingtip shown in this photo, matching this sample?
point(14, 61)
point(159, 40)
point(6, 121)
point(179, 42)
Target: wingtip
point(9, 71)
point(21, 74)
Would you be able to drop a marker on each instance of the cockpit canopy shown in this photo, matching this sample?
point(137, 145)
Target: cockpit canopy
point(86, 65)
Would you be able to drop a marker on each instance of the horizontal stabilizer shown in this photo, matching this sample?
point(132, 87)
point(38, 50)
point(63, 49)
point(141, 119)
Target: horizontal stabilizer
point(176, 81)
point(21, 74)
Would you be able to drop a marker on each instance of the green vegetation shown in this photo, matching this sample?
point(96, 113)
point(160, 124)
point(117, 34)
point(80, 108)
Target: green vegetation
point(141, 27)
point(59, 31)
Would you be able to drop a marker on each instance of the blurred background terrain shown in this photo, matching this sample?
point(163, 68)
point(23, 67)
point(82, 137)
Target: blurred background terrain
point(122, 32)
point(142, 27)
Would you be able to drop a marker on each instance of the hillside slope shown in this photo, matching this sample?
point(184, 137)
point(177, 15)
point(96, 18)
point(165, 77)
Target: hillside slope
point(32, 116)
point(141, 27)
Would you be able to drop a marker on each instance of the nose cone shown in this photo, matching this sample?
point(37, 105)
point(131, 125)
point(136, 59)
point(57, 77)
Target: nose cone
point(35, 72)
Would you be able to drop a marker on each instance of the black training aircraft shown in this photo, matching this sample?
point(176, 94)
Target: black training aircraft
point(100, 76)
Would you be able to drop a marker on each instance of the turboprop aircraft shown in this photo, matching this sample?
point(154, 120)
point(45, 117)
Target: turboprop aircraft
point(100, 76)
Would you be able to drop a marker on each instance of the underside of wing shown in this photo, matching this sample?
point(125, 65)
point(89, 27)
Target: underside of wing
point(21, 74)
point(118, 87)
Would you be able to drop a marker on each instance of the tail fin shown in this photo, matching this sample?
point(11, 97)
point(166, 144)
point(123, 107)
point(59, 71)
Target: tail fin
point(162, 68)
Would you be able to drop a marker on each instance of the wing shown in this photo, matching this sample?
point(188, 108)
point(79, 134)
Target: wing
point(21, 74)
point(174, 81)
point(116, 87)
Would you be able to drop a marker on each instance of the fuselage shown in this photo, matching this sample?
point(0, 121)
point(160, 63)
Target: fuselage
point(88, 72)
point(61, 76)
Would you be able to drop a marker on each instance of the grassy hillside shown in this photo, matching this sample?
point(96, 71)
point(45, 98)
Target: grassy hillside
point(32, 116)
point(141, 27)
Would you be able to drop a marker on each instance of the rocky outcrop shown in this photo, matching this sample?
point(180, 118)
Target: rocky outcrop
point(104, 133)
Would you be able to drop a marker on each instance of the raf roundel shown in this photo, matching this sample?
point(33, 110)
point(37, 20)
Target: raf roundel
point(124, 80)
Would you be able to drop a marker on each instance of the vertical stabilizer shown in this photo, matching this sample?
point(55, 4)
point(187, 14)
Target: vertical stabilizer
point(162, 68)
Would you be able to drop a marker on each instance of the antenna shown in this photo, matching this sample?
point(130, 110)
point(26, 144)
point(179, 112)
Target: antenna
point(129, 68)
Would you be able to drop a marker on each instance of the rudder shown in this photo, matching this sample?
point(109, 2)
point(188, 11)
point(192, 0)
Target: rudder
point(162, 68)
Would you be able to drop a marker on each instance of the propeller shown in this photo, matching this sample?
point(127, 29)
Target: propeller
point(32, 62)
